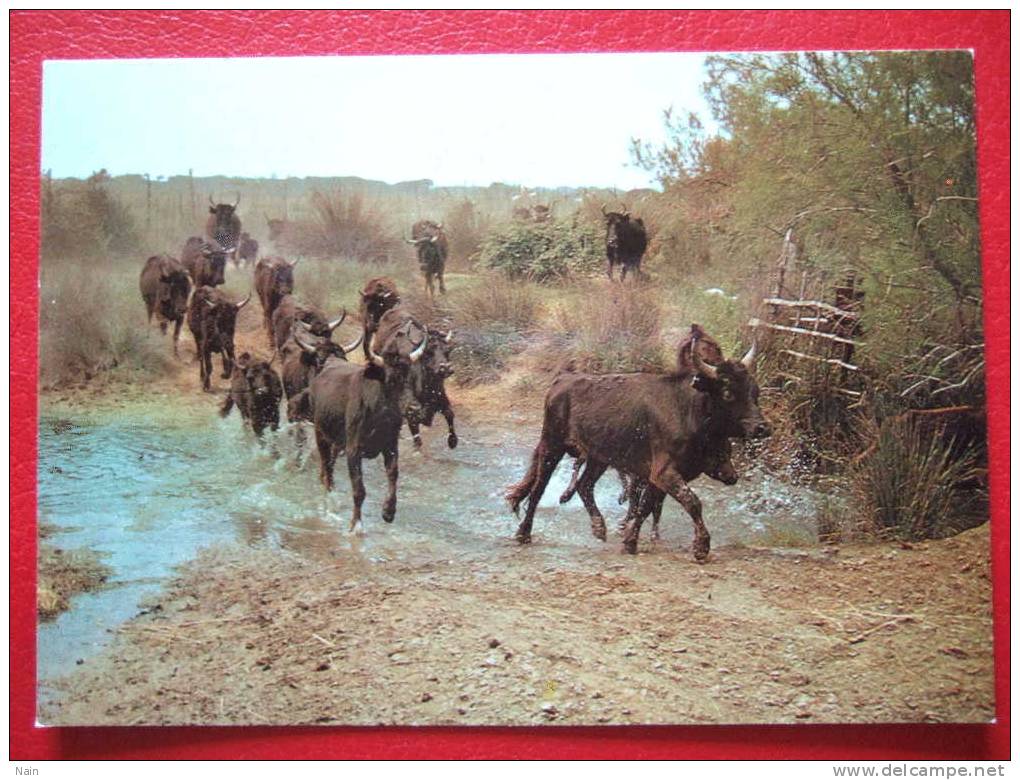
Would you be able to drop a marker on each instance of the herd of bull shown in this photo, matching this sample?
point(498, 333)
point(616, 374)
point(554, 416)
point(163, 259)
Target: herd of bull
point(659, 431)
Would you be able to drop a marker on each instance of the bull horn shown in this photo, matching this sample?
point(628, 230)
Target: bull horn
point(703, 368)
point(448, 337)
point(296, 335)
point(439, 226)
point(748, 359)
point(603, 209)
point(373, 356)
point(211, 202)
point(353, 345)
point(242, 304)
point(434, 239)
point(418, 351)
point(288, 262)
point(336, 323)
point(209, 303)
point(238, 201)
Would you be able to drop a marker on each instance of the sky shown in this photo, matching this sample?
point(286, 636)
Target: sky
point(535, 120)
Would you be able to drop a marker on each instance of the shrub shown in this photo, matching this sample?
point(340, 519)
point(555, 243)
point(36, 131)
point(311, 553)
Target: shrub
point(906, 485)
point(492, 321)
point(615, 329)
point(346, 226)
point(465, 229)
point(84, 218)
point(90, 323)
point(543, 251)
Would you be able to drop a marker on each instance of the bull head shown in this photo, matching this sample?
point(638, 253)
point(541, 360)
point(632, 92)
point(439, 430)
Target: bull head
point(414, 356)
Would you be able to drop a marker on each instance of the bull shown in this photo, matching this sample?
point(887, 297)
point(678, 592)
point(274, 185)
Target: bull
point(223, 226)
point(212, 319)
point(205, 262)
point(430, 242)
point(247, 251)
point(662, 429)
point(359, 409)
point(256, 391)
point(165, 287)
point(431, 393)
point(274, 280)
point(626, 241)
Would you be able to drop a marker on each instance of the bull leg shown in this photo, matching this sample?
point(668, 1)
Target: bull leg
point(390, 460)
point(442, 284)
point(593, 470)
point(429, 287)
point(415, 430)
point(228, 361)
point(667, 479)
point(177, 335)
point(326, 460)
point(451, 439)
point(549, 459)
point(609, 269)
point(623, 272)
point(624, 488)
point(205, 367)
point(641, 505)
point(357, 487)
point(568, 494)
point(656, 516)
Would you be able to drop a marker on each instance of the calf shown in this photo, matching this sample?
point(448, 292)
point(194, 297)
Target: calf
point(256, 391)
point(431, 394)
point(247, 250)
point(626, 241)
point(205, 262)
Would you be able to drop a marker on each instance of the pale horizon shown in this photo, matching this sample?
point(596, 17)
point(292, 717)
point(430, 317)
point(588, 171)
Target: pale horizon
point(563, 120)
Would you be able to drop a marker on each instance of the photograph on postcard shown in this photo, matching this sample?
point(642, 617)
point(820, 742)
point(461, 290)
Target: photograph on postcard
point(512, 390)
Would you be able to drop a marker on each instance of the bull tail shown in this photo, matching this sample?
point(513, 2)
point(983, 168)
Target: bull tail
point(517, 493)
point(228, 404)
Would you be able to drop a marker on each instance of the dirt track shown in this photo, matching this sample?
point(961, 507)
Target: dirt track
point(876, 633)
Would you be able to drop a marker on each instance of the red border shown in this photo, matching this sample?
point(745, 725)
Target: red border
point(36, 36)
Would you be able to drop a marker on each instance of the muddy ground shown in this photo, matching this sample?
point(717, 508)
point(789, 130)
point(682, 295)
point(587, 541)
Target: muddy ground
point(63, 574)
point(878, 633)
point(247, 635)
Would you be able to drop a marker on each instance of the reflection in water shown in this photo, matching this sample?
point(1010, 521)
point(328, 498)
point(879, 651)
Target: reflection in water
point(147, 496)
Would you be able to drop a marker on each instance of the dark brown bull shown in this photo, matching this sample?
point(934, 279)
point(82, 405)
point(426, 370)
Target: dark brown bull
point(205, 262)
point(430, 242)
point(662, 429)
point(274, 280)
point(626, 241)
point(431, 394)
point(289, 311)
point(212, 318)
point(378, 296)
point(359, 409)
point(256, 391)
point(223, 226)
point(247, 251)
point(165, 287)
point(720, 467)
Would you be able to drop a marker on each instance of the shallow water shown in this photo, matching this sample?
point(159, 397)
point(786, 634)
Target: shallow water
point(147, 495)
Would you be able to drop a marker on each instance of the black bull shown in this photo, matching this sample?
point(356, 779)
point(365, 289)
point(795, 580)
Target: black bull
point(212, 319)
point(662, 429)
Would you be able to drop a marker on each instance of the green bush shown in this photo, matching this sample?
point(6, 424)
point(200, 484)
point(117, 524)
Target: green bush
point(543, 251)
